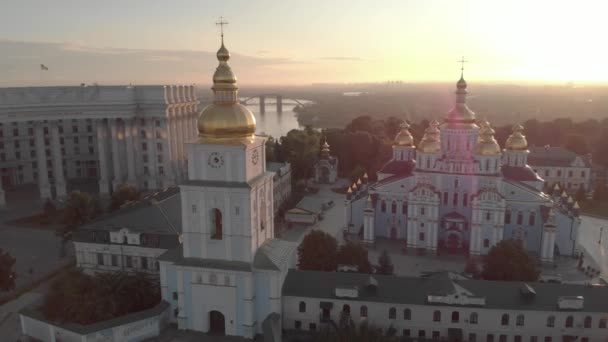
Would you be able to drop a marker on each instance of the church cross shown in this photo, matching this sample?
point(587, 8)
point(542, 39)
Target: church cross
point(462, 61)
point(221, 24)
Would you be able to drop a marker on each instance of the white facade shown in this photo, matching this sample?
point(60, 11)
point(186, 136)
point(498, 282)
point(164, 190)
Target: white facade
point(476, 316)
point(558, 165)
point(113, 134)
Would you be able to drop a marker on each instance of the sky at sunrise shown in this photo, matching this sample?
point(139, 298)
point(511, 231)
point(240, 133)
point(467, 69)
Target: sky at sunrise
point(302, 42)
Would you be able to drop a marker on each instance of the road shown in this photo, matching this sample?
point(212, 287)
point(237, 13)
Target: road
point(588, 239)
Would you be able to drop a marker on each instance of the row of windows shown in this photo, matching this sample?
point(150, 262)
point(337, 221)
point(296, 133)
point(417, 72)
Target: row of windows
point(520, 218)
point(30, 130)
point(127, 261)
point(473, 317)
point(558, 173)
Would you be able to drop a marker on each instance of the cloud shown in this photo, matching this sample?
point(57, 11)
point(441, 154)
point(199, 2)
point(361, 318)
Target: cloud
point(72, 63)
point(342, 58)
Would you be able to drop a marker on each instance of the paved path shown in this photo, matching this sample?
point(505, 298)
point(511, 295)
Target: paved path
point(588, 239)
point(10, 326)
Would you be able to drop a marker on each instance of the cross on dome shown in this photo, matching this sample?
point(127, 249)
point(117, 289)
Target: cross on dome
point(462, 61)
point(221, 24)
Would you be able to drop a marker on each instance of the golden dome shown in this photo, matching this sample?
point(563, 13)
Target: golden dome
point(460, 116)
point(486, 144)
point(517, 141)
point(404, 137)
point(430, 142)
point(225, 117)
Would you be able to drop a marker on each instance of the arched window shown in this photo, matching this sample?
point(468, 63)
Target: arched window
point(587, 321)
point(407, 314)
point(532, 219)
point(428, 163)
point(569, 321)
point(404, 208)
point(216, 217)
point(505, 319)
point(346, 308)
point(125, 240)
point(392, 313)
point(473, 318)
point(508, 216)
point(455, 316)
point(465, 200)
point(302, 307)
point(363, 311)
point(394, 207)
point(487, 165)
point(486, 243)
point(551, 321)
point(520, 218)
point(603, 322)
point(437, 316)
point(383, 206)
point(520, 320)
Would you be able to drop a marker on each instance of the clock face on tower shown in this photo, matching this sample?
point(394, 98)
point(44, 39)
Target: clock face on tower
point(216, 160)
point(255, 156)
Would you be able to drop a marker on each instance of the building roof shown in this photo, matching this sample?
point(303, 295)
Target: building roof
point(520, 173)
point(176, 256)
point(554, 156)
point(505, 295)
point(274, 254)
point(157, 214)
point(310, 205)
point(398, 167)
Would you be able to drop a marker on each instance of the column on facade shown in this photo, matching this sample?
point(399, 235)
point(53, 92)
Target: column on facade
point(60, 183)
point(548, 239)
point(412, 241)
point(43, 175)
point(368, 221)
point(173, 144)
point(432, 227)
point(182, 319)
point(249, 307)
point(2, 196)
point(114, 139)
point(474, 243)
point(103, 163)
point(152, 156)
point(130, 132)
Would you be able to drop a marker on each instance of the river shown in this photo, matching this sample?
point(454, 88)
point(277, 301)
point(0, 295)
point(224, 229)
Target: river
point(273, 123)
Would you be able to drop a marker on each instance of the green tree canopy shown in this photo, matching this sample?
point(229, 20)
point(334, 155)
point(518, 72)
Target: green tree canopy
point(123, 194)
point(576, 144)
point(79, 298)
point(7, 271)
point(508, 261)
point(301, 149)
point(353, 253)
point(385, 264)
point(80, 208)
point(318, 252)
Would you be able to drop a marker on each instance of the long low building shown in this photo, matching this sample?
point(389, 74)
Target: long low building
point(441, 307)
point(106, 134)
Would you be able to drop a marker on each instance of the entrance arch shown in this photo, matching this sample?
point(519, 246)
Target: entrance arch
point(217, 324)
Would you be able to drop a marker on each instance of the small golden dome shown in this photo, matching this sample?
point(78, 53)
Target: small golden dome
point(430, 142)
point(225, 117)
point(517, 141)
point(404, 137)
point(486, 143)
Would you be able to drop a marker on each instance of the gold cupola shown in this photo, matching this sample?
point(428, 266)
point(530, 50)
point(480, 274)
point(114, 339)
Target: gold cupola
point(517, 140)
point(460, 116)
point(325, 150)
point(404, 137)
point(225, 118)
point(430, 142)
point(486, 143)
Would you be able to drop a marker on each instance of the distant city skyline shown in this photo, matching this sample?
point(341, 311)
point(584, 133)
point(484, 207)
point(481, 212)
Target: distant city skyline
point(300, 43)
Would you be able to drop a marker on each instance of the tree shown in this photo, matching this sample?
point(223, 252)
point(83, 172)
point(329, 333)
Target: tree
point(79, 298)
point(7, 271)
point(385, 264)
point(318, 252)
point(353, 253)
point(357, 173)
point(577, 144)
point(580, 193)
point(49, 209)
point(508, 261)
point(600, 192)
point(301, 148)
point(80, 208)
point(124, 193)
point(362, 123)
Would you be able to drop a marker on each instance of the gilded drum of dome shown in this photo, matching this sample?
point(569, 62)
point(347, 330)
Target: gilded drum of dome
point(429, 146)
point(226, 121)
point(517, 141)
point(404, 138)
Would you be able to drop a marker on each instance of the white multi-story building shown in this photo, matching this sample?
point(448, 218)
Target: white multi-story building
point(558, 165)
point(111, 134)
point(439, 307)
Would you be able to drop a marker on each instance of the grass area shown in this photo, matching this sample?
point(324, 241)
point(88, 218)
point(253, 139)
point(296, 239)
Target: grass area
point(597, 208)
